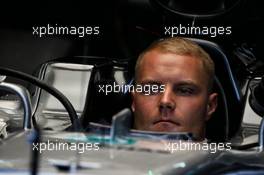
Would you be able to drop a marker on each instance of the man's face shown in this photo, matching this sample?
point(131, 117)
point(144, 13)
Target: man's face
point(185, 104)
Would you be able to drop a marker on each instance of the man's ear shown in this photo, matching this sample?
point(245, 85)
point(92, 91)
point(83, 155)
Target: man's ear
point(211, 105)
point(133, 101)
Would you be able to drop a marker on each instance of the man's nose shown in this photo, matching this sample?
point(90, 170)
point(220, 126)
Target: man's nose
point(167, 102)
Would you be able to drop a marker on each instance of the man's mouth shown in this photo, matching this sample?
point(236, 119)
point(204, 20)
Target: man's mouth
point(166, 121)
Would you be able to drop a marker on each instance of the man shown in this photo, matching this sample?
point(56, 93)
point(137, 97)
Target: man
point(185, 72)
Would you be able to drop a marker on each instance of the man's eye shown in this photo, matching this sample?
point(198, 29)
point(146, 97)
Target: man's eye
point(185, 91)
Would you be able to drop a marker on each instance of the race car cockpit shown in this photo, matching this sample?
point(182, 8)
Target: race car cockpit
point(69, 116)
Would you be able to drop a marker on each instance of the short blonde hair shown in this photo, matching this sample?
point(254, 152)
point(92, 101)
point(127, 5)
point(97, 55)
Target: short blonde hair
point(181, 46)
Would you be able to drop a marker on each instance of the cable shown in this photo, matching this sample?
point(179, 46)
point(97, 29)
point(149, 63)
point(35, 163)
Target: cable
point(33, 80)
